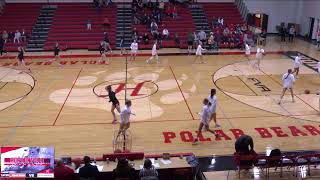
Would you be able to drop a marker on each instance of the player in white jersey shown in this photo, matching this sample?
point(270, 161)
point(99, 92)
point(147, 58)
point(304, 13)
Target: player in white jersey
point(125, 118)
point(213, 101)
point(154, 53)
point(199, 53)
point(247, 50)
point(259, 56)
point(296, 64)
point(134, 50)
point(287, 82)
point(204, 120)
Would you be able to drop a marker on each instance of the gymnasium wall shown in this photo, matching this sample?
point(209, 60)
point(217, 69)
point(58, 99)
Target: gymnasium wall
point(310, 8)
point(278, 11)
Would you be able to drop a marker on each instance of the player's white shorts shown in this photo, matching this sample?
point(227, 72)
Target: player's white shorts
point(287, 87)
point(248, 53)
point(259, 56)
point(205, 122)
point(296, 65)
point(198, 53)
point(124, 122)
point(134, 51)
point(213, 110)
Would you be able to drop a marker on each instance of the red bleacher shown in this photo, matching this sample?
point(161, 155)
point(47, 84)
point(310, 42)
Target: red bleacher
point(18, 16)
point(69, 26)
point(181, 25)
point(228, 11)
point(69, 23)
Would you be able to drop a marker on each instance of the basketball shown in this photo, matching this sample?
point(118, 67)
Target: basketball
point(307, 91)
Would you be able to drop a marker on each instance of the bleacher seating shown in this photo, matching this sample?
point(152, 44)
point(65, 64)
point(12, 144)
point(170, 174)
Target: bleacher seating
point(181, 25)
point(69, 26)
point(228, 11)
point(18, 16)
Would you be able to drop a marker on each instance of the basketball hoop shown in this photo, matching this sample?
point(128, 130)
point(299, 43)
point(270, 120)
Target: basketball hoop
point(123, 143)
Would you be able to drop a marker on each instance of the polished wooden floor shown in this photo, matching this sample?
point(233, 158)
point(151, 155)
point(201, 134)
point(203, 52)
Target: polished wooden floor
point(62, 107)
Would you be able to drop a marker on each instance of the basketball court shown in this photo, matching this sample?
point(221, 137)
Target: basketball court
point(67, 108)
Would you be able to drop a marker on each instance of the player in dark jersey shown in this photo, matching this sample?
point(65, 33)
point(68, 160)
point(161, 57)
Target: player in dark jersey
point(122, 49)
point(102, 50)
point(57, 50)
point(21, 62)
point(115, 103)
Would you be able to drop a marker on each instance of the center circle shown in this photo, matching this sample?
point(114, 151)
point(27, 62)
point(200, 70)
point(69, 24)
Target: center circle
point(135, 90)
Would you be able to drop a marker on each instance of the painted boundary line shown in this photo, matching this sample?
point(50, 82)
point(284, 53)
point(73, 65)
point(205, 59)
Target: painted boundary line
point(67, 97)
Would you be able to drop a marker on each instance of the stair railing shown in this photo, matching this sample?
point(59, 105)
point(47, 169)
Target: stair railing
point(242, 9)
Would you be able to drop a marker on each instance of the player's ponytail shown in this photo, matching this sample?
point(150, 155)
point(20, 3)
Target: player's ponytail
point(289, 72)
point(213, 92)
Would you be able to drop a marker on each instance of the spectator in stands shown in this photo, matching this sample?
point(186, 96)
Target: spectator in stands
point(145, 3)
point(144, 18)
point(2, 43)
point(135, 19)
point(226, 31)
point(202, 36)
point(101, 3)
point(177, 39)
point(146, 38)
point(214, 22)
point(106, 41)
point(24, 35)
point(107, 2)
point(62, 172)
point(174, 12)
point(220, 21)
point(248, 38)
point(292, 32)
point(190, 39)
point(159, 38)
point(211, 41)
point(148, 172)
point(195, 39)
point(165, 33)
point(161, 8)
point(89, 24)
point(122, 43)
point(244, 28)
point(135, 35)
point(17, 37)
point(283, 33)
point(263, 37)
point(88, 170)
point(5, 36)
point(11, 36)
point(97, 5)
point(154, 28)
point(123, 170)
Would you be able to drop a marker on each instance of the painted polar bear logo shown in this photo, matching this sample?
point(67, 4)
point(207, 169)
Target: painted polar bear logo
point(88, 88)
